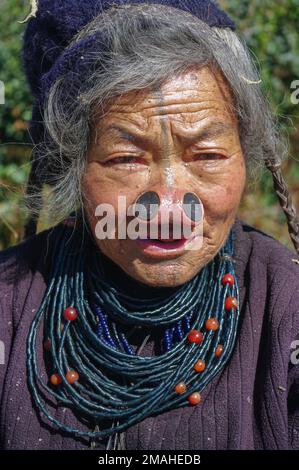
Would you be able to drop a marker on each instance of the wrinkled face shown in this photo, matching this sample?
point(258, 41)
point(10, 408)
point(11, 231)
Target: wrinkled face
point(182, 137)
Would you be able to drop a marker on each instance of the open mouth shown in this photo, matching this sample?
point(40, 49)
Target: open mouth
point(164, 243)
point(162, 248)
point(168, 243)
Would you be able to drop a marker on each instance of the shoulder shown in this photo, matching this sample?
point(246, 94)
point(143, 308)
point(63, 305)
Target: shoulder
point(23, 269)
point(22, 259)
point(263, 250)
point(270, 273)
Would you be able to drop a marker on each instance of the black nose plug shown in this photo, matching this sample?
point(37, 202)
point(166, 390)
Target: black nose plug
point(192, 207)
point(148, 205)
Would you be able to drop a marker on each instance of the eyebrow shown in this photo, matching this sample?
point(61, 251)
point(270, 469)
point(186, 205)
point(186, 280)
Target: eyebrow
point(122, 133)
point(209, 131)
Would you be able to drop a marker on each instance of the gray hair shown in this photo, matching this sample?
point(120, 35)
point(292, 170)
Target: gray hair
point(139, 57)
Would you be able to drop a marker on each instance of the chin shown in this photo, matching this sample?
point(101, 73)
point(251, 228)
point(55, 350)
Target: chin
point(163, 274)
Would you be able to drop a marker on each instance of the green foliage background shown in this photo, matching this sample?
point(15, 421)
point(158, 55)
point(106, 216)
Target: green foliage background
point(270, 29)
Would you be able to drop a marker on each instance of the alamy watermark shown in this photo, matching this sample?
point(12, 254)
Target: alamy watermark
point(295, 94)
point(2, 353)
point(295, 352)
point(2, 93)
point(173, 223)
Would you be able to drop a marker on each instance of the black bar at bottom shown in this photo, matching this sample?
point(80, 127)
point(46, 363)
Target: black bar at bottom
point(132, 459)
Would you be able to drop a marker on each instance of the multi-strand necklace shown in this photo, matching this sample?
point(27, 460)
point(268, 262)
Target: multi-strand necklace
point(96, 371)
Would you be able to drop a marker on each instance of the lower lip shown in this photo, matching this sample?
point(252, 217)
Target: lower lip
point(156, 248)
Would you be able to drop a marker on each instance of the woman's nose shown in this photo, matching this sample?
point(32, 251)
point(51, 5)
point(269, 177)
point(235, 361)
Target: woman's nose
point(177, 207)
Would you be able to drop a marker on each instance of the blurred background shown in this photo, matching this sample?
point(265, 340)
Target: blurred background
point(270, 29)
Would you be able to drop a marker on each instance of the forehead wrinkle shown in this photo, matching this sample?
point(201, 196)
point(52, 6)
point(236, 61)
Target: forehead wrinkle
point(207, 131)
point(174, 108)
point(140, 117)
point(171, 98)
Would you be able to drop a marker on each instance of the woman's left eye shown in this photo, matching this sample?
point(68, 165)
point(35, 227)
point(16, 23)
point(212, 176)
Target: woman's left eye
point(208, 156)
point(125, 159)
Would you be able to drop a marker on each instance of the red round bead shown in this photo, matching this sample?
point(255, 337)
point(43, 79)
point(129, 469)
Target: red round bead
point(219, 350)
point(180, 388)
point(55, 379)
point(228, 279)
point(199, 366)
point(72, 376)
point(47, 344)
point(231, 303)
point(70, 313)
point(212, 324)
point(195, 336)
point(194, 398)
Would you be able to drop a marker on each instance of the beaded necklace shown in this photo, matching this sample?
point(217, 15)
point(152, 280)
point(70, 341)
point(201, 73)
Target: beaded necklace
point(95, 370)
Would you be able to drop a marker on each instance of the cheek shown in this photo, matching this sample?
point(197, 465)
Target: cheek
point(98, 189)
point(223, 200)
point(222, 196)
point(95, 188)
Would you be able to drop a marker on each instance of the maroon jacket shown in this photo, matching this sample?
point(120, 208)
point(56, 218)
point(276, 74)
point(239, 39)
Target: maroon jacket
point(253, 403)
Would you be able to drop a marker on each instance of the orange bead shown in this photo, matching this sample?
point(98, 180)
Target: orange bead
point(47, 344)
point(228, 279)
point(219, 350)
point(70, 314)
point(180, 388)
point(212, 324)
point(194, 398)
point(72, 376)
point(55, 379)
point(199, 366)
point(231, 303)
point(195, 336)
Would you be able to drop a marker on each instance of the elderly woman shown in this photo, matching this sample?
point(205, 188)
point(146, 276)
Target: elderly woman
point(118, 333)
